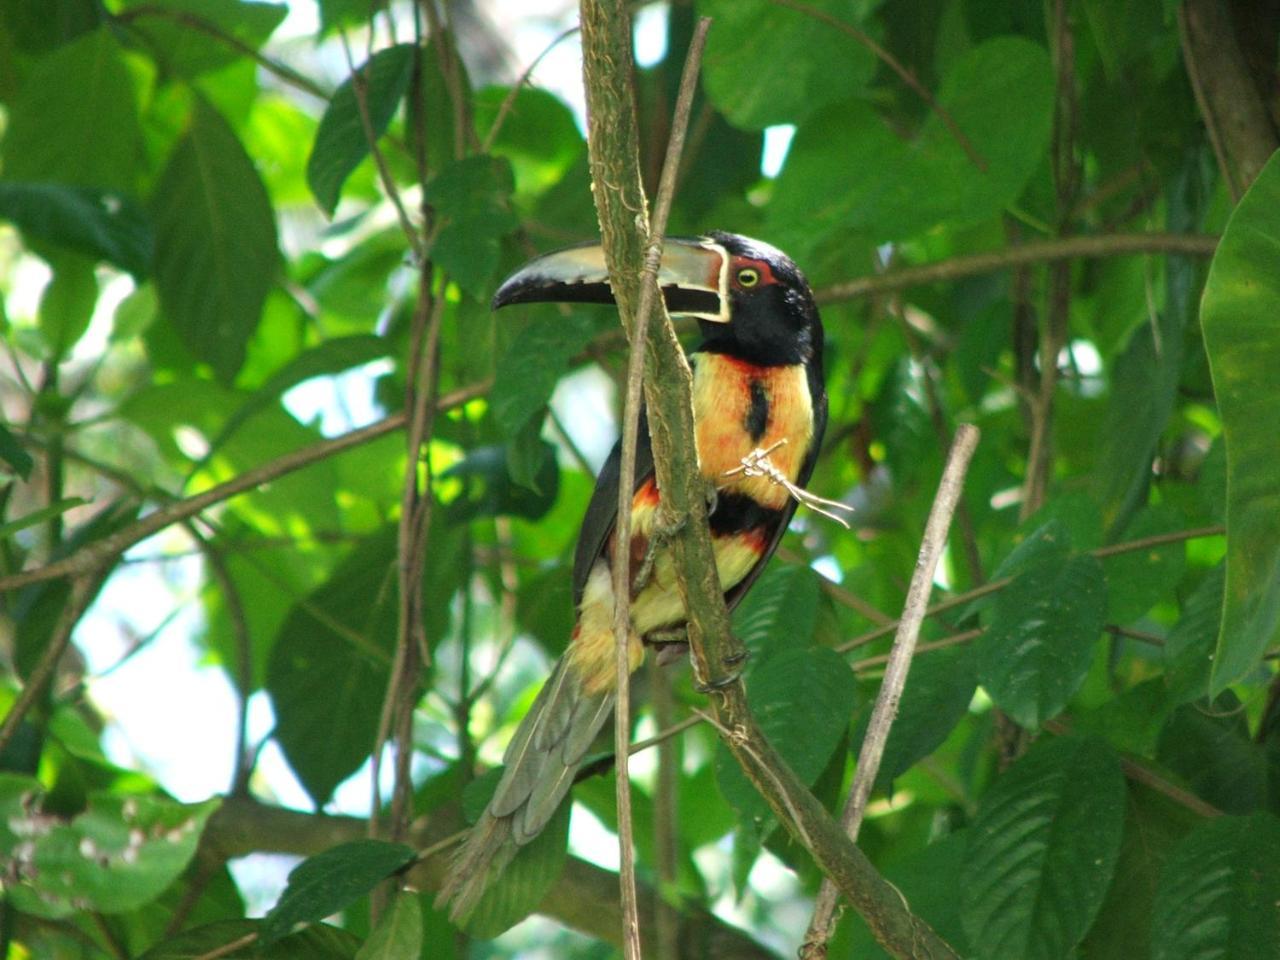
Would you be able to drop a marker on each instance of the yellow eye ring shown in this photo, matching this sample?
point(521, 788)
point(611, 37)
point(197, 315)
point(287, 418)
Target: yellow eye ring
point(748, 277)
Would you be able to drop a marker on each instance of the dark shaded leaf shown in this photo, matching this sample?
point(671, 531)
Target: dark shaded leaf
point(316, 942)
point(328, 882)
point(1210, 748)
point(1037, 648)
point(1189, 648)
point(1042, 849)
point(1219, 894)
point(779, 613)
point(528, 370)
point(1139, 579)
point(341, 140)
point(97, 223)
point(13, 453)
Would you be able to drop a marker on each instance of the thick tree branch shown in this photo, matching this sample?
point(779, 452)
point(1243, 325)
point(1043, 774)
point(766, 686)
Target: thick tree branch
point(620, 203)
point(584, 897)
point(1235, 116)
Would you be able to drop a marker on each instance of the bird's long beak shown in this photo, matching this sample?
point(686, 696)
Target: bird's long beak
point(693, 275)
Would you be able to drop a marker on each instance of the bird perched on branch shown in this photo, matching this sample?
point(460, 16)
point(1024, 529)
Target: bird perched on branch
point(760, 408)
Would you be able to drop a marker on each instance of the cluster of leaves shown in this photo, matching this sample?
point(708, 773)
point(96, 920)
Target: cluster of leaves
point(1087, 757)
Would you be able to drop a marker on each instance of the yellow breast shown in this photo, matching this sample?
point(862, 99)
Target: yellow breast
point(728, 397)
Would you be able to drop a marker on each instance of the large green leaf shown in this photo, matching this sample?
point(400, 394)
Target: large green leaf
point(1139, 579)
point(765, 64)
point(1037, 648)
point(1212, 751)
point(87, 220)
point(77, 120)
point(341, 140)
point(215, 253)
point(805, 729)
point(1241, 320)
point(398, 935)
point(847, 172)
point(1042, 849)
point(322, 885)
point(936, 697)
point(119, 854)
point(1219, 894)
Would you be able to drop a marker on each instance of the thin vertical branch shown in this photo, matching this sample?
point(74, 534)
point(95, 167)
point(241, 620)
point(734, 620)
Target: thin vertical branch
point(822, 926)
point(666, 815)
point(621, 568)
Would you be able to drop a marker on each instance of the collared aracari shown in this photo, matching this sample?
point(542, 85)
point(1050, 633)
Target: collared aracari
point(757, 382)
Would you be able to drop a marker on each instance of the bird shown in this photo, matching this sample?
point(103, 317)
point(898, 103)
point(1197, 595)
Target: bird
point(759, 398)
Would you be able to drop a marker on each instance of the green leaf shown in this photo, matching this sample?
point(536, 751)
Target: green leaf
point(502, 486)
point(341, 140)
point(765, 64)
point(779, 613)
point(41, 515)
point(529, 369)
point(939, 689)
point(100, 224)
point(1189, 648)
point(474, 197)
point(13, 453)
point(398, 935)
point(76, 121)
point(121, 853)
point(216, 252)
point(805, 730)
point(1219, 894)
point(1211, 750)
point(523, 884)
point(1042, 849)
point(330, 881)
point(1139, 579)
point(66, 306)
point(1240, 315)
point(316, 942)
point(188, 31)
point(539, 136)
point(338, 640)
point(1037, 649)
point(848, 173)
point(40, 25)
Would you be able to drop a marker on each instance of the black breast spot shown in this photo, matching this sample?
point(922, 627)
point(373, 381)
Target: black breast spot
point(757, 418)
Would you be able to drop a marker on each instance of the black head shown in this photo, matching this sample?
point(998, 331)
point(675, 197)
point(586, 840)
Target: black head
point(750, 299)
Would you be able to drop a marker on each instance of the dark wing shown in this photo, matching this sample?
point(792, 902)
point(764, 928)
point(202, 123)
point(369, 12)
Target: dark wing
point(602, 511)
point(734, 595)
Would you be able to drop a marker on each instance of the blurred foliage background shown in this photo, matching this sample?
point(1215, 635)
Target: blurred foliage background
point(221, 307)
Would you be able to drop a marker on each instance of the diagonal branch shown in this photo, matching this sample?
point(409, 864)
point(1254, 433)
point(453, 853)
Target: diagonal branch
point(621, 203)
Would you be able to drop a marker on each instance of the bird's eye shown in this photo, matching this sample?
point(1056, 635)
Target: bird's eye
point(748, 277)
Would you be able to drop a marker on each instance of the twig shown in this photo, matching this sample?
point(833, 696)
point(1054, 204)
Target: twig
point(955, 639)
point(106, 550)
point(822, 926)
point(621, 567)
point(666, 815)
point(1036, 251)
point(229, 948)
point(889, 60)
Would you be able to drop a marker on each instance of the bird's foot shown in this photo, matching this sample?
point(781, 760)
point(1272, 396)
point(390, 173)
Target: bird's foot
point(735, 659)
point(665, 526)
